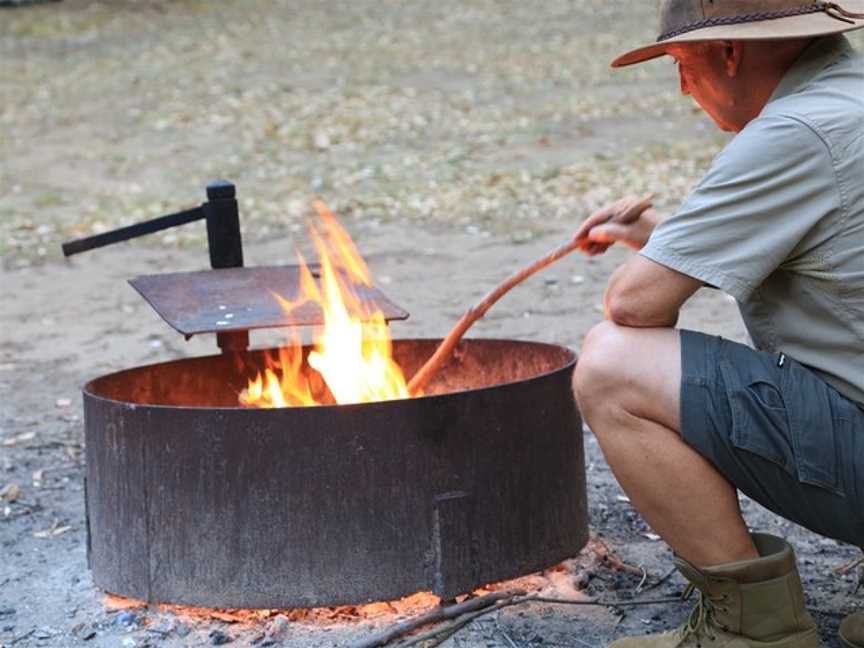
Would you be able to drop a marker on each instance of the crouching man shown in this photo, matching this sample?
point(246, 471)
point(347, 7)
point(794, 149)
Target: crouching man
point(685, 419)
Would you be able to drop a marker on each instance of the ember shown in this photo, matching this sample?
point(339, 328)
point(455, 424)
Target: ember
point(352, 351)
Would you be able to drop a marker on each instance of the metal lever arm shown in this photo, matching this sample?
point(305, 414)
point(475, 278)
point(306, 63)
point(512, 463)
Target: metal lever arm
point(133, 231)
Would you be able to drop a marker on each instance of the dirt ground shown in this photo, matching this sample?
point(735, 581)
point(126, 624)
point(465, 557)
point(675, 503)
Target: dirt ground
point(457, 140)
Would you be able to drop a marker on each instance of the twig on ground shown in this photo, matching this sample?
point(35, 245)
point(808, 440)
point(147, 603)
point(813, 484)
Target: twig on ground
point(22, 637)
point(508, 639)
point(608, 557)
point(601, 603)
point(665, 577)
point(445, 349)
point(443, 632)
point(845, 568)
point(638, 588)
point(460, 615)
point(441, 613)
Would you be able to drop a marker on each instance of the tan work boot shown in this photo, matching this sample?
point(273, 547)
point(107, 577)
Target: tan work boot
point(748, 604)
point(852, 630)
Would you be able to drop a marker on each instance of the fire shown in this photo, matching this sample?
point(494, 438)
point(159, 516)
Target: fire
point(352, 355)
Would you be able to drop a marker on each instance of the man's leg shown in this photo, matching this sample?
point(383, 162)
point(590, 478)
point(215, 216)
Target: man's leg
point(627, 384)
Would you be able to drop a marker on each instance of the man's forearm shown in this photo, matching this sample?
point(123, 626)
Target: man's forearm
point(643, 294)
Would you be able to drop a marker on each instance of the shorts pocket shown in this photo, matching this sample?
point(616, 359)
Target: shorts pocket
point(817, 430)
point(817, 452)
point(784, 415)
point(760, 423)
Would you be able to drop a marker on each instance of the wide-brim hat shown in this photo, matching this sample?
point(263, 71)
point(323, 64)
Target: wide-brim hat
point(691, 21)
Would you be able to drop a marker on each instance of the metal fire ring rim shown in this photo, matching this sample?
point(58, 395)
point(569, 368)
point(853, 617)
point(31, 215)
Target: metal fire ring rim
point(571, 362)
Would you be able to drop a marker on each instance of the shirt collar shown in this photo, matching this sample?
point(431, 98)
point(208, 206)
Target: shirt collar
point(815, 58)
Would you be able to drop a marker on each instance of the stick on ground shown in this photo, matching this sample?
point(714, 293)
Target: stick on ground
point(445, 349)
point(441, 613)
point(453, 618)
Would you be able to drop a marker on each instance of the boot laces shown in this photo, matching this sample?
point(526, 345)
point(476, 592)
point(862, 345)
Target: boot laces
point(701, 622)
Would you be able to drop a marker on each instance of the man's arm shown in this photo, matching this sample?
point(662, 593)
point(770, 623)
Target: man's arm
point(642, 293)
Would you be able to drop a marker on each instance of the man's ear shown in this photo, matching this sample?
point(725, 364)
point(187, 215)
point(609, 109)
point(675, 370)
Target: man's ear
point(733, 54)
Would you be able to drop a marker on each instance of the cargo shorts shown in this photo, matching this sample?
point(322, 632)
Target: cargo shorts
point(777, 431)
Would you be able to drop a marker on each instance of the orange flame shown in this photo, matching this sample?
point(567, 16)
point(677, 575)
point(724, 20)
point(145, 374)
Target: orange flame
point(352, 352)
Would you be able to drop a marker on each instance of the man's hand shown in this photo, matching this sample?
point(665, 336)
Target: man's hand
point(629, 220)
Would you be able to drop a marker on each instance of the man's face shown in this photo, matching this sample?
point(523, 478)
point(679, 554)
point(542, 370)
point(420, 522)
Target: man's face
point(704, 73)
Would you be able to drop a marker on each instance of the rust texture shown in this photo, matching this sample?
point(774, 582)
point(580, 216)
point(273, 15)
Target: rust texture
point(196, 501)
point(239, 299)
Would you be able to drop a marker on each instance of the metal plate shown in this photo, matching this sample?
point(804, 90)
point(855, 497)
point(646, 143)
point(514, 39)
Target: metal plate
point(239, 299)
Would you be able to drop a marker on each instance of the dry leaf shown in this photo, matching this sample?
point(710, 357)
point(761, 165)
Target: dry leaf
point(10, 493)
point(27, 436)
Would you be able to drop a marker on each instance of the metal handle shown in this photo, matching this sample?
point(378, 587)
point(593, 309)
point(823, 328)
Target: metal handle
point(223, 238)
point(133, 231)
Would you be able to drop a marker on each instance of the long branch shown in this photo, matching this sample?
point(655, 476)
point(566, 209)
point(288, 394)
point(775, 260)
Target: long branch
point(442, 353)
point(461, 614)
point(440, 613)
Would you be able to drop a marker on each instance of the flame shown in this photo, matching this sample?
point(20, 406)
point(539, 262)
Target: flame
point(352, 353)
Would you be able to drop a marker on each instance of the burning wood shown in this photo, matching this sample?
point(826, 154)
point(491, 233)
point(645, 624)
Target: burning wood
point(353, 351)
point(341, 504)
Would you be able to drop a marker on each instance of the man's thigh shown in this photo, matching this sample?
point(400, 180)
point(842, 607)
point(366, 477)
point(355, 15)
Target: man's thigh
point(777, 431)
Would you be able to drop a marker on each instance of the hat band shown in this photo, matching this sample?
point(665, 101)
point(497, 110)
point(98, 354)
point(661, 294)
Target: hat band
point(831, 8)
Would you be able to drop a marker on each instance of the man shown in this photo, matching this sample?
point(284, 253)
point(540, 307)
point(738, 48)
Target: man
point(685, 419)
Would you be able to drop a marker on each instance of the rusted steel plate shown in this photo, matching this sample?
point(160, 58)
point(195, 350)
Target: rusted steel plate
point(195, 501)
point(240, 299)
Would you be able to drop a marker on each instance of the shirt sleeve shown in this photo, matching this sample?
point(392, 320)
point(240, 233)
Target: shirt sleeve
point(746, 218)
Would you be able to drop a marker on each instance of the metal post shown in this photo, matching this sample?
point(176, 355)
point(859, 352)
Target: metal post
point(226, 246)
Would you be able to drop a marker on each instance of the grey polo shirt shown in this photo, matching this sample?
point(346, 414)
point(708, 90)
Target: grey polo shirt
point(778, 221)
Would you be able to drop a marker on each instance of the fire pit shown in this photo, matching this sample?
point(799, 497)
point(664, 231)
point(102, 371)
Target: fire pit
point(193, 499)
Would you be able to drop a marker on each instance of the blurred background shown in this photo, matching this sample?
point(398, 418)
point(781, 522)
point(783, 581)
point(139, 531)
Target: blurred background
point(499, 116)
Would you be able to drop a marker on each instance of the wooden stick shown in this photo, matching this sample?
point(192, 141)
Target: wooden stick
point(442, 353)
point(446, 630)
point(844, 569)
point(456, 617)
point(440, 613)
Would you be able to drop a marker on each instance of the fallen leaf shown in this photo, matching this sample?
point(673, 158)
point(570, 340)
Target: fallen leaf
point(10, 493)
point(26, 436)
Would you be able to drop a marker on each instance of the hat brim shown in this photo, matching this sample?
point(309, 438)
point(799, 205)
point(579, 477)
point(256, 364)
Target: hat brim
point(809, 25)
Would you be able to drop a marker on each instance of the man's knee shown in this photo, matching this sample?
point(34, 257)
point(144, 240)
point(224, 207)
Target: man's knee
point(631, 371)
point(602, 363)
